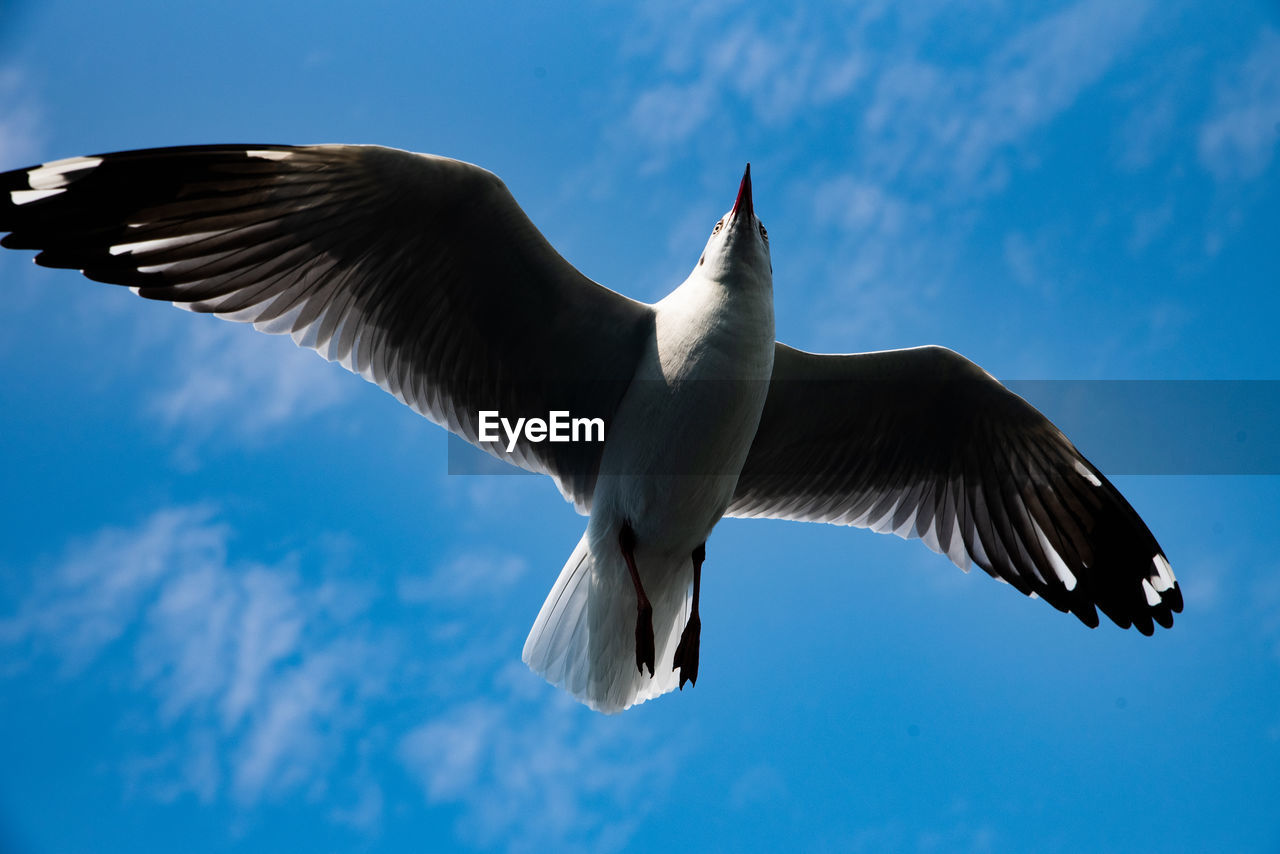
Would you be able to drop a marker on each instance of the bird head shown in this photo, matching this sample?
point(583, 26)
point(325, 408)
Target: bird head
point(739, 244)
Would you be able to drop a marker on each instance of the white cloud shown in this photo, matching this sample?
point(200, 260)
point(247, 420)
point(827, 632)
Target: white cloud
point(1239, 137)
point(861, 206)
point(254, 675)
point(466, 576)
point(267, 684)
point(225, 377)
point(19, 121)
point(930, 120)
point(670, 113)
point(892, 124)
point(866, 228)
point(537, 772)
point(102, 586)
point(1028, 258)
point(1042, 70)
point(1019, 257)
point(919, 116)
point(1154, 105)
point(447, 753)
point(722, 56)
point(531, 769)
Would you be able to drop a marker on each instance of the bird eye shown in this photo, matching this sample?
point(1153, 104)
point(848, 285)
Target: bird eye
point(719, 225)
point(764, 233)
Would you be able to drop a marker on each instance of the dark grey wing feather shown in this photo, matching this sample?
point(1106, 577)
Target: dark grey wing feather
point(924, 444)
point(419, 273)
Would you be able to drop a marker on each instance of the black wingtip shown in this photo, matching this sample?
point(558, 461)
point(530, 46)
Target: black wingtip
point(1088, 615)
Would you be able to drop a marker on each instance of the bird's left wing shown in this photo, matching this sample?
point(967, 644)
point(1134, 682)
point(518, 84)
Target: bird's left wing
point(924, 444)
point(419, 273)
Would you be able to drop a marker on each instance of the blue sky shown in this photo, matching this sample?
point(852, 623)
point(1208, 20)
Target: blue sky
point(243, 607)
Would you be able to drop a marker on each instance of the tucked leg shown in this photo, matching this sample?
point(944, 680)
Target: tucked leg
point(644, 611)
point(686, 660)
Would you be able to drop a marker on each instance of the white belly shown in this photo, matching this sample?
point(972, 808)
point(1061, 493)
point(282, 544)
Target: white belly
point(681, 434)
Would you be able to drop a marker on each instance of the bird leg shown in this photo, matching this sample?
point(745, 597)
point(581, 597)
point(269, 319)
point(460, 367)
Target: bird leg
point(686, 660)
point(644, 611)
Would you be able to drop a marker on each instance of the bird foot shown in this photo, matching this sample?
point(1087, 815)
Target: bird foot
point(645, 653)
point(686, 660)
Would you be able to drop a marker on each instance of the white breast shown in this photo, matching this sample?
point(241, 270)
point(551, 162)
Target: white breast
point(674, 451)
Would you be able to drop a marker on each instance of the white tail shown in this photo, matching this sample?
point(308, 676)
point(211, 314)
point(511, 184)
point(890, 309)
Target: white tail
point(584, 638)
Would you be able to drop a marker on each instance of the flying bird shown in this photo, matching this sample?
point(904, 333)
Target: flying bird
point(422, 274)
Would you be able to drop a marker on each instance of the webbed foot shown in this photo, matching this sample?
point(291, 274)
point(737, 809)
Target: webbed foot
point(686, 660)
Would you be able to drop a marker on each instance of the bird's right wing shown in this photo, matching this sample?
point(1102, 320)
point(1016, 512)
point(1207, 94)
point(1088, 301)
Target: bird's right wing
point(419, 273)
point(925, 444)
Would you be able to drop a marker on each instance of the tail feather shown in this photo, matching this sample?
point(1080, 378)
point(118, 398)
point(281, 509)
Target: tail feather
point(556, 646)
point(584, 637)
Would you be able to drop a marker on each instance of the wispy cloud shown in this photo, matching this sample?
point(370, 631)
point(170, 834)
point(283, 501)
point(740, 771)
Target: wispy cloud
point(725, 59)
point(948, 833)
point(896, 125)
point(258, 678)
point(915, 113)
point(959, 124)
point(531, 769)
point(19, 120)
point(859, 205)
point(533, 775)
point(267, 683)
point(1238, 139)
point(227, 378)
point(962, 119)
point(467, 576)
point(668, 114)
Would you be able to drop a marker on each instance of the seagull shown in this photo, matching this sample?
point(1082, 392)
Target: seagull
point(423, 275)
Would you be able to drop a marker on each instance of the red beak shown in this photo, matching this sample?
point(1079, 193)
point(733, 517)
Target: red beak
point(744, 194)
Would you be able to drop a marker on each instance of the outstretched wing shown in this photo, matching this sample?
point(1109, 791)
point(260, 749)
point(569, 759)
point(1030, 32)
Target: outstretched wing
point(419, 273)
point(924, 444)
